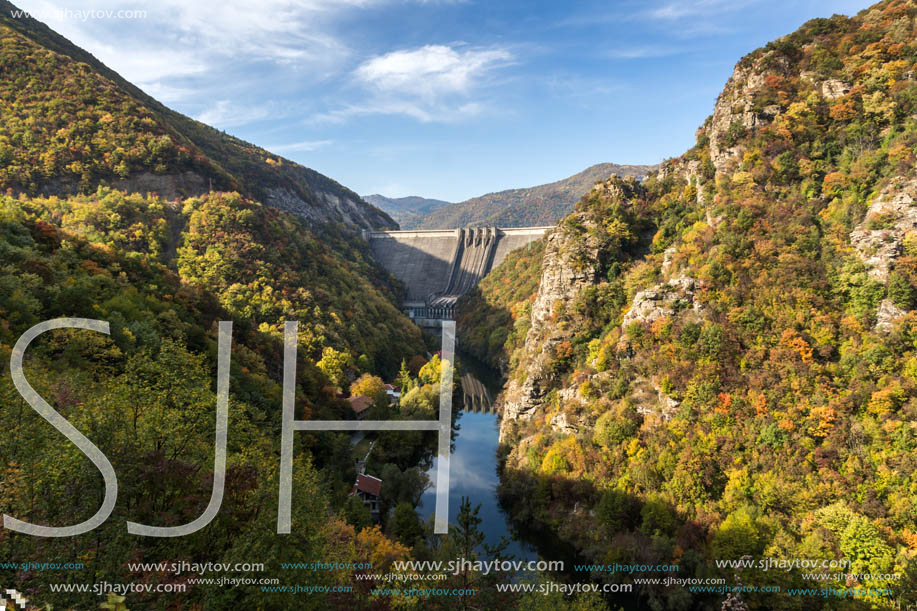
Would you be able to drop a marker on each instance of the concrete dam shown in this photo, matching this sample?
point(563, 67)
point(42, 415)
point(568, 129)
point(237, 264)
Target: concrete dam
point(439, 266)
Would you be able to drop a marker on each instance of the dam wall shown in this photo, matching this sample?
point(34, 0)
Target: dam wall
point(439, 266)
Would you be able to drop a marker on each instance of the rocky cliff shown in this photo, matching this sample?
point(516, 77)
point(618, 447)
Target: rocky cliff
point(562, 277)
point(730, 366)
point(575, 254)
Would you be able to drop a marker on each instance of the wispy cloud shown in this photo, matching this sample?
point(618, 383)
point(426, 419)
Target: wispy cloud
point(430, 83)
point(641, 52)
point(692, 17)
point(430, 72)
point(192, 53)
point(271, 30)
point(299, 147)
point(226, 113)
point(425, 112)
point(572, 86)
point(695, 8)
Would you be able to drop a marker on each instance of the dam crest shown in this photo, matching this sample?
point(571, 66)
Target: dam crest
point(439, 266)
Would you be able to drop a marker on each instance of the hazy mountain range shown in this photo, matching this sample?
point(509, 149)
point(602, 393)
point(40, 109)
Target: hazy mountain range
point(540, 205)
point(409, 212)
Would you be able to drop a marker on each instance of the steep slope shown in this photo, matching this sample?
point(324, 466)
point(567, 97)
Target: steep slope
point(163, 270)
point(533, 206)
point(69, 124)
point(494, 317)
point(409, 211)
point(162, 274)
point(720, 360)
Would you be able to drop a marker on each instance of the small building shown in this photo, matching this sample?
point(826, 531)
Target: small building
point(394, 395)
point(360, 405)
point(369, 489)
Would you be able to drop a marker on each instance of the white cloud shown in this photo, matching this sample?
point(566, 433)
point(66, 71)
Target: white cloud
point(229, 114)
point(297, 147)
point(425, 112)
point(221, 59)
point(165, 93)
point(431, 71)
point(203, 38)
point(694, 8)
point(430, 83)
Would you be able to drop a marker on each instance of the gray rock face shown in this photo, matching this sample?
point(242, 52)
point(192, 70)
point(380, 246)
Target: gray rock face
point(667, 256)
point(560, 424)
point(879, 239)
point(649, 400)
point(333, 209)
point(734, 104)
point(833, 88)
point(562, 277)
point(887, 314)
point(689, 171)
point(662, 300)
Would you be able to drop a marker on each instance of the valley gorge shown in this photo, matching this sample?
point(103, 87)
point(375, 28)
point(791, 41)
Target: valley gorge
point(698, 367)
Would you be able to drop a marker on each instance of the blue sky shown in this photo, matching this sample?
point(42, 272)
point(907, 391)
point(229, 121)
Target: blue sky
point(444, 99)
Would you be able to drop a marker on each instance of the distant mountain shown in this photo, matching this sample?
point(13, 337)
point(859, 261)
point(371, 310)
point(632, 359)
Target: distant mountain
point(407, 211)
point(541, 205)
point(69, 124)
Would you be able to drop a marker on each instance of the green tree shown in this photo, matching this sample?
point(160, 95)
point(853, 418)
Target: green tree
point(371, 386)
point(405, 525)
point(335, 364)
point(404, 380)
point(739, 534)
point(900, 291)
point(357, 513)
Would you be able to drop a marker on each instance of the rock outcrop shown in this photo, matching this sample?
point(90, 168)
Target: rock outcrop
point(563, 275)
point(663, 300)
point(834, 88)
point(649, 400)
point(560, 424)
point(879, 239)
point(330, 208)
point(735, 105)
point(886, 315)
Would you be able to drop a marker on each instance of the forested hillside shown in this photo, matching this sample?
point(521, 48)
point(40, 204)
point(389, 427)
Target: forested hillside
point(494, 318)
point(722, 360)
point(70, 124)
point(162, 274)
point(117, 209)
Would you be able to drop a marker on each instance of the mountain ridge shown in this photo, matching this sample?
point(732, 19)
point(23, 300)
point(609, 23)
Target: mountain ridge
point(539, 205)
point(162, 143)
point(407, 211)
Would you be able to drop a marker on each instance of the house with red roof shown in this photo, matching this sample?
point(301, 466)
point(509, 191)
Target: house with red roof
point(369, 489)
point(360, 405)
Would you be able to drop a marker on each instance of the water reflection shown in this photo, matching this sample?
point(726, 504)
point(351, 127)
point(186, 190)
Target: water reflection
point(473, 466)
point(477, 398)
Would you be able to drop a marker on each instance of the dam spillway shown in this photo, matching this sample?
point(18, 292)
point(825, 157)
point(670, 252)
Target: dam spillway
point(439, 266)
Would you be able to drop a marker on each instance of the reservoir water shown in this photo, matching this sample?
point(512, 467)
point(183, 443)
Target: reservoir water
point(473, 465)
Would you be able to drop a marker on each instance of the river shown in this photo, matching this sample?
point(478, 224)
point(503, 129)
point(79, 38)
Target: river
point(473, 465)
